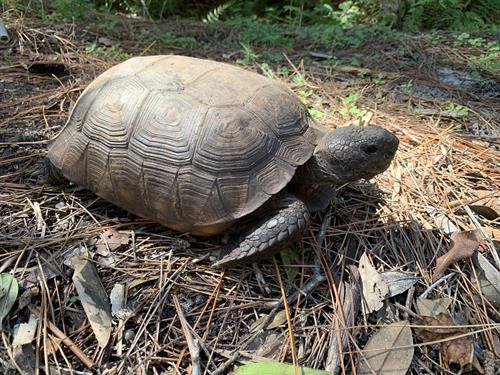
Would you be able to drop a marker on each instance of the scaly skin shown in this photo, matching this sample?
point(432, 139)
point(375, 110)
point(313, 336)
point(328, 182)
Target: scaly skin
point(282, 225)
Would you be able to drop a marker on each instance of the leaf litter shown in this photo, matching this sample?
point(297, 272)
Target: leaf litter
point(463, 245)
point(93, 296)
point(404, 220)
point(489, 279)
point(441, 329)
point(388, 351)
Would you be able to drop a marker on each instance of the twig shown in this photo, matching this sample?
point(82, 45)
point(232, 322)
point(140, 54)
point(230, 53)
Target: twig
point(65, 339)
point(260, 279)
point(288, 319)
point(193, 345)
point(435, 284)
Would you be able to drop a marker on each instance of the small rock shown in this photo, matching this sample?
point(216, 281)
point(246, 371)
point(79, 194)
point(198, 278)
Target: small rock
point(60, 205)
point(455, 78)
point(106, 41)
point(129, 335)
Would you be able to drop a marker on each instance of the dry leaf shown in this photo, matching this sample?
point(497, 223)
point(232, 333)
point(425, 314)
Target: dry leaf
point(398, 282)
point(489, 279)
point(445, 224)
point(463, 245)
point(53, 344)
point(389, 350)
point(117, 298)
point(289, 257)
point(488, 205)
point(23, 351)
point(485, 211)
point(136, 282)
point(433, 307)
point(437, 327)
point(375, 289)
point(93, 297)
point(267, 344)
point(458, 351)
point(25, 332)
point(277, 321)
point(110, 240)
point(442, 327)
point(350, 302)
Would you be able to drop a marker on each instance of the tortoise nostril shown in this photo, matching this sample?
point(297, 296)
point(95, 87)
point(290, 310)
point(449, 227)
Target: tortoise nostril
point(370, 149)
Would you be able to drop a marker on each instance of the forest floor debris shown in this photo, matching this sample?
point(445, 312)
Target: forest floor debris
point(444, 181)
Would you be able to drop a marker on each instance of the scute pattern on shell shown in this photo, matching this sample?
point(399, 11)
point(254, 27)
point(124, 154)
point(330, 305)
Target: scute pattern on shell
point(189, 143)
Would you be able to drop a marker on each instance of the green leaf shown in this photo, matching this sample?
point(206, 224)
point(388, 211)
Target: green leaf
point(275, 368)
point(288, 257)
point(8, 294)
point(317, 115)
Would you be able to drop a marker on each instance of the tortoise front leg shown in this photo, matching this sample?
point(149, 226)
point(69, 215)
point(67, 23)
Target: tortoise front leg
point(284, 222)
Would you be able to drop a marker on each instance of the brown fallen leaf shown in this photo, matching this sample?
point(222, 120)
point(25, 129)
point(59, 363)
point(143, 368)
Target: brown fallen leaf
point(93, 297)
point(442, 327)
point(389, 350)
point(487, 204)
point(267, 344)
point(22, 348)
point(458, 351)
point(488, 277)
point(278, 320)
point(375, 289)
point(350, 302)
point(463, 245)
point(433, 307)
point(110, 240)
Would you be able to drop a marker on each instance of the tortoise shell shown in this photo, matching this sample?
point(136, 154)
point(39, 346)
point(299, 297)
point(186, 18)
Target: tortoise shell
point(192, 144)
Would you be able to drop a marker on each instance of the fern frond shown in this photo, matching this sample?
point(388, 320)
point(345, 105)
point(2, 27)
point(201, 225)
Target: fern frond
point(215, 14)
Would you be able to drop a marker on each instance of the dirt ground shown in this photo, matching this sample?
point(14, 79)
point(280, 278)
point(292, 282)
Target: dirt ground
point(444, 181)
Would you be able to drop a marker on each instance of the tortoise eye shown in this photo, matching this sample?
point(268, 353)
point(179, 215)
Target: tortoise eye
point(370, 149)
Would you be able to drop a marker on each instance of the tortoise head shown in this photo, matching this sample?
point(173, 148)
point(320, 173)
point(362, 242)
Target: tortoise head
point(351, 153)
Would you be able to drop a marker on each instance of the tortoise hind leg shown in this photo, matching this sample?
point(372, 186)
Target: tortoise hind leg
point(52, 175)
point(287, 219)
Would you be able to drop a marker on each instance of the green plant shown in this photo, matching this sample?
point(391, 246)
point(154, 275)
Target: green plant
point(107, 24)
point(215, 14)
point(69, 10)
point(379, 79)
point(305, 94)
point(284, 71)
point(316, 114)
point(114, 52)
point(168, 38)
point(250, 31)
point(267, 70)
point(350, 106)
point(298, 80)
point(249, 55)
point(450, 14)
point(490, 58)
point(407, 86)
point(456, 110)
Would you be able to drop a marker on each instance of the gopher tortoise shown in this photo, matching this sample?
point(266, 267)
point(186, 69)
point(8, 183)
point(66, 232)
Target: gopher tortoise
point(205, 147)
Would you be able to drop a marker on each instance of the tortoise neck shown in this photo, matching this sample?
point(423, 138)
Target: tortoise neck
point(311, 177)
